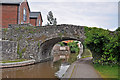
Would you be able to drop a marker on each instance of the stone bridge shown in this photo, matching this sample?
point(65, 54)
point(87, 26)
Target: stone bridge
point(28, 42)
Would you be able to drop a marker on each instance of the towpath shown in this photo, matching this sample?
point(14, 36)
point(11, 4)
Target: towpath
point(82, 68)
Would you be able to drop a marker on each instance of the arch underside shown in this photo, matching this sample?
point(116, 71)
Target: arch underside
point(46, 47)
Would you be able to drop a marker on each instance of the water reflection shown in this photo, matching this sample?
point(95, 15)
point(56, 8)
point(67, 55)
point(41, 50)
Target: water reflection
point(41, 70)
point(63, 68)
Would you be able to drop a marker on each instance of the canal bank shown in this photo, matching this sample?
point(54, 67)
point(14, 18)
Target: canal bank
point(20, 63)
point(82, 68)
point(39, 70)
point(17, 64)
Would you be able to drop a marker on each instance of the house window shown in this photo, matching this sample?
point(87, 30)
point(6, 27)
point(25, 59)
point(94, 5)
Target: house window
point(39, 22)
point(24, 14)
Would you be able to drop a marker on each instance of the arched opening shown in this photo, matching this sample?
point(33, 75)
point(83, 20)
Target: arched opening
point(66, 50)
point(47, 46)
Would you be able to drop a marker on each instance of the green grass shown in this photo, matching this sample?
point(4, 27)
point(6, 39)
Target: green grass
point(73, 57)
point(107, 71)
point(86, 56)
point(86, 53)
point(8, 61)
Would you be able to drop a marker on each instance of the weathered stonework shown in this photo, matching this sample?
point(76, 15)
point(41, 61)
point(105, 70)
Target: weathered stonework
point(37, 42)
point(9, 50)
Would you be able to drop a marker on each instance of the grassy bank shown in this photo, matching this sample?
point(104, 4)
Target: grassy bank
point(106, 71)
point(12, 61)
point(86, 53)
point(73, 57)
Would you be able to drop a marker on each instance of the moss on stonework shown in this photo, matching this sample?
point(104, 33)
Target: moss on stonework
point(19, 38)
point(29, 38)
point(5, 30)
point(38, 45)
point(31, 31)
point(17, 28)
point(60, 35)
point(23, 50)
point(11, 39)
point(20, 52)
point(29, 28)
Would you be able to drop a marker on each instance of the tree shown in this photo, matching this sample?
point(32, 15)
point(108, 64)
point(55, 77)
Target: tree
point(73, 47)
point(104, 44)
point(51, 19)
point(118, 29)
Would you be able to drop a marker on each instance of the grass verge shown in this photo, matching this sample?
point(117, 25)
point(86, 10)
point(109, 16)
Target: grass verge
point(8, 61)
point(107, 71)
point(72, 58)
point(86, 53)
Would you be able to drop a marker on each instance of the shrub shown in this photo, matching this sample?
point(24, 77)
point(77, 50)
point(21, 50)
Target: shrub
point(103, 44)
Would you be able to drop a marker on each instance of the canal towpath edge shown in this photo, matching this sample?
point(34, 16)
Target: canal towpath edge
point(16, 64)
point(82, 68)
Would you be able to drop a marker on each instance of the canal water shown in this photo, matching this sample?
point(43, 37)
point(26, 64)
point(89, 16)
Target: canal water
point(40, 70)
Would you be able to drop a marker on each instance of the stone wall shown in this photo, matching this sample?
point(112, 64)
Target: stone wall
point(8, 50)
point(37, 42)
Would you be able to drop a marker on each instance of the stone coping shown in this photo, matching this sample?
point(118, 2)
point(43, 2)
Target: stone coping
point(16, 64)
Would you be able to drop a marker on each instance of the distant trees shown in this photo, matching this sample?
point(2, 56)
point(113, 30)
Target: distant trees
point(51, 19)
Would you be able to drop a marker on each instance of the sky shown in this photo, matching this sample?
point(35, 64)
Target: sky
point(91, 13)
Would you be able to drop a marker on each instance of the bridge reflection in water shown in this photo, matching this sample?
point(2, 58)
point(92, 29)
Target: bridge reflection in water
point(40, 70)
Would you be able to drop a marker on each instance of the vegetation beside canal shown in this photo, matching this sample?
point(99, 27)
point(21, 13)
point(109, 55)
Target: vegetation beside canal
point(105, 48)
point(74, 49)
point(12, 61)
point(72, 58)
point(86, 53)
point(107, 71)
point(104, 44)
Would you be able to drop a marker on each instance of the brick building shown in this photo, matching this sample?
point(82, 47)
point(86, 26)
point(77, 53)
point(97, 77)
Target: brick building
point(14, 12)
point(36, 18)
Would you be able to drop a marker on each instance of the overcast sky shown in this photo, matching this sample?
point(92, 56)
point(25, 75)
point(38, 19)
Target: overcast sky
point(89, 13)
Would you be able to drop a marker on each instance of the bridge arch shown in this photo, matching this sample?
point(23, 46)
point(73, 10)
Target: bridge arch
point(46, 47)
point(38, 41)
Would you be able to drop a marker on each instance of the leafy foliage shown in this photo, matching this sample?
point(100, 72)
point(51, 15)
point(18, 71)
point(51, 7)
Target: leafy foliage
point(118, 29)
point(61, 44)
point(104, 44)
point(73, 47)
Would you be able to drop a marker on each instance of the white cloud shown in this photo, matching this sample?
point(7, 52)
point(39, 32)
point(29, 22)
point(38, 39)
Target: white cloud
point(96, 14)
